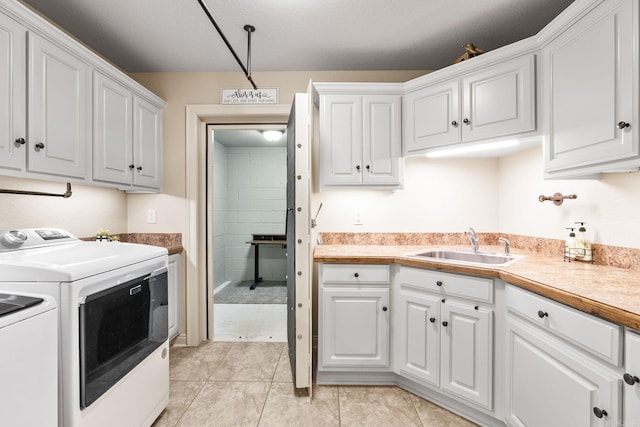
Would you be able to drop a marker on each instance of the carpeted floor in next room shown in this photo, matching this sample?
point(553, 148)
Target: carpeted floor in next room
point(240, 293)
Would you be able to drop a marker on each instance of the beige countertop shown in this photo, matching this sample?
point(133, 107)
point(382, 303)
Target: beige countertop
point(608, 292)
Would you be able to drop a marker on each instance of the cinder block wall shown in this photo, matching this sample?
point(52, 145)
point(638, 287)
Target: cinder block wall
point(256, 203)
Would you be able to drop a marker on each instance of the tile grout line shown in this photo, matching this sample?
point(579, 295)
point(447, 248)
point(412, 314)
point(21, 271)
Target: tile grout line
point(413, 403)
point(270, 387)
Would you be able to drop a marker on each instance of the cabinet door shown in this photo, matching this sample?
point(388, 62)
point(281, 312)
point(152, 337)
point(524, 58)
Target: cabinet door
point(340, 140)
point(550, 385)
point(591, 93)
point(355, 327)
point(112, 131)
point(174, 285)
point(12, 94)
point(500, 100)
point(467, 358)
point(431, 117)
point(382, 146)
point(417, 335)
point(147, 144)
point(632, 369)
point(59, 105)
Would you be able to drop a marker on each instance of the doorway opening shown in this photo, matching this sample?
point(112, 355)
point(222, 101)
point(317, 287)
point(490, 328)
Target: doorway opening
point(247, 210)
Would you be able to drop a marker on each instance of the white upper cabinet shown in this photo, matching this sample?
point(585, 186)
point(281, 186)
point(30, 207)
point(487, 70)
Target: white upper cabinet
point(113, 131)
point(13, 132)
point(432, 117)
point(491, 102)
point(592, 93)
point(127, 136)
point(147, 144)
point(499, 100)
point(58, 122)
point(360, 135)
point(59, 110)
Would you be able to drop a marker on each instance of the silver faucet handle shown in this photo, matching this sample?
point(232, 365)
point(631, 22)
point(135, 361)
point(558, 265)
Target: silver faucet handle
point(506, 244)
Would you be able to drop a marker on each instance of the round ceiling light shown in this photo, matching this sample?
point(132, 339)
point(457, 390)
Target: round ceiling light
point(272, 135)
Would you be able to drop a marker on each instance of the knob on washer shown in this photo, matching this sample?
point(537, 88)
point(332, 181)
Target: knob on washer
point(14, 238)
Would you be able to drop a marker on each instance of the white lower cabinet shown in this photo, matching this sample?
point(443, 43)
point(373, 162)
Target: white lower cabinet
point(174, 285)
point(553, 383)
point(442, 341)
point(353, 325)
point(631, 379)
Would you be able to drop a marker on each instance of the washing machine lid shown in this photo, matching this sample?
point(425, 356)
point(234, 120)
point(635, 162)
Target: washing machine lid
point(72, 261)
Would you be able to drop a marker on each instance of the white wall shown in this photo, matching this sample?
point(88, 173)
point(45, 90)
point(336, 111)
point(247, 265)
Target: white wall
point(219, 208)
point(439, 195)
point(87, 210)
point(609, 206)
point(256, 204)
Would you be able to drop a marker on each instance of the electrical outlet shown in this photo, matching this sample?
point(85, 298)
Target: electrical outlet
point(357, 218)
point(151, 216)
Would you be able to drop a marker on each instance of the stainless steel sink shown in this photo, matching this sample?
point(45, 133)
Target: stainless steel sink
point(468, 257)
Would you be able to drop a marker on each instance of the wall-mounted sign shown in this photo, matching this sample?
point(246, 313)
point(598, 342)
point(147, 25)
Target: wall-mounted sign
point(249, 96)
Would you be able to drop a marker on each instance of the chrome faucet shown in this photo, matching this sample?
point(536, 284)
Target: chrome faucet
point(474, 239)
point(506, 245)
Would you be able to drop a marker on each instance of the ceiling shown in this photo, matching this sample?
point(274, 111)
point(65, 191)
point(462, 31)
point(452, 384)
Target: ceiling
point(296, 35)
point(246, 138)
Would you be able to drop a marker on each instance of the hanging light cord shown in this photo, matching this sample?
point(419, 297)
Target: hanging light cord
point(224, 39)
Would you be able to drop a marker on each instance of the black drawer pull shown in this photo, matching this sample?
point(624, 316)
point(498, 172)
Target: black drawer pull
point(445, 323)
point(439, 283)
point(432, 319)
point(356, 275)
point(542, 314)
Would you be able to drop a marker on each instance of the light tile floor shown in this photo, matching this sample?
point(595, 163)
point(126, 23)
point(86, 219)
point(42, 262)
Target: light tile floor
point(249, 384)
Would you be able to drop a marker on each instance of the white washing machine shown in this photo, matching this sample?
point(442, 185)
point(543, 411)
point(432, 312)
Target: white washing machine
point(28, 360)
point(112, 333)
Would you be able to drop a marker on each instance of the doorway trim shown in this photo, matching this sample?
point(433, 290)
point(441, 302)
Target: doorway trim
point(199, 284)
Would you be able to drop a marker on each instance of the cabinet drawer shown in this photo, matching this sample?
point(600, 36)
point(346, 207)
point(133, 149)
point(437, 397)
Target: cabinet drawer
point(598, 337)
point(355, 273)
point(475, 288)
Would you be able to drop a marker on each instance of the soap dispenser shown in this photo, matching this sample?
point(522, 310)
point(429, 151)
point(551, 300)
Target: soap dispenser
point(570, 245)
point(583, 244)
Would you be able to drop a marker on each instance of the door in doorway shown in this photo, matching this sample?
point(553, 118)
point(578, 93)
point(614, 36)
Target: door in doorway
point(298, 231)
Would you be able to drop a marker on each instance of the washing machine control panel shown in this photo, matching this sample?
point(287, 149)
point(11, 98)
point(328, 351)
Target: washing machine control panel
point(33, 237)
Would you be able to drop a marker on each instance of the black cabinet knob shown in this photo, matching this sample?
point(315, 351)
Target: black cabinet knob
point(21, 141)
point(368, 167)
point(39, 146)
point(454, 123)
point(466, 121)
point(622, 125)
point(439, 283)
point(132, 166)
point(139, 168)
point(542, 314)
point(356, 275)
point(599, 412)
point(384, 309)
point(432, 319)
point(445, 324)
point(358, 168)
point(630, 379)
